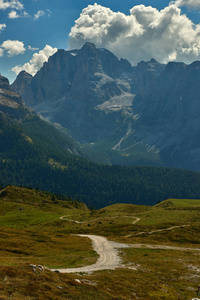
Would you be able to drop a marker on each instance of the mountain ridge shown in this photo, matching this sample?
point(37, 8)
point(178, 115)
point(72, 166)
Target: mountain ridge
point(70, 87)
point(33, 152)
point(121, 114)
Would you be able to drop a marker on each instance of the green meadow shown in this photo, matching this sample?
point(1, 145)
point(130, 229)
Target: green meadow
point(38, 228)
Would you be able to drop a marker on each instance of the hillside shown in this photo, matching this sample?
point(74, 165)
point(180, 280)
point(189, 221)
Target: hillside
point(20, 125)
point(35, 153)
point(26, 160)
point(96, 185)
point(38, 230)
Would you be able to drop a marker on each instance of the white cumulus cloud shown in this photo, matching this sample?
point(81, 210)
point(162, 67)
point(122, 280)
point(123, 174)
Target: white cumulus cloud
point(36, 61)
point(2, 27)
point(13, 15)
point(13, 47)
point(32, 48)
point(14, 4)
point(42, 13)
point(145, 33)
point(193, 4)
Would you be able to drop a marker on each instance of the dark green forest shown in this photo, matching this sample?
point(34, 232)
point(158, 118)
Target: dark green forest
point(30, 156)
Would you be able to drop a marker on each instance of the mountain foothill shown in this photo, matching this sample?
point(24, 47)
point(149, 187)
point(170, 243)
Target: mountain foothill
point(98, 129)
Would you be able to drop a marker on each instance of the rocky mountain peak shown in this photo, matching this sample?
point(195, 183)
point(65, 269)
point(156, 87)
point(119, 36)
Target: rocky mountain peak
point(24, 75)
point(144, 74)
point(151, 65)
point(74, 85)
point(11, 104)
point(153, 61)
point(88, 46)
point(88, 52)
point(23, 78)
point(4, 82)
point(175, 67)
point(151, 109)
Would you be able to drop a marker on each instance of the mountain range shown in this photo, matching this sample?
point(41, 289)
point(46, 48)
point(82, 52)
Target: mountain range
point(120, 114)
point(86, 105)
point(37, 153)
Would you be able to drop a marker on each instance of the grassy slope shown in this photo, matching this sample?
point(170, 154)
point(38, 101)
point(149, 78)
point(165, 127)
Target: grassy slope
point(32, 233)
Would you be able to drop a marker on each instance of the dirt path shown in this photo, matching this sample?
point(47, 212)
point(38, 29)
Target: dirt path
point(159, 230)
point(107, 250)
point(108, 255)
point(91, 221)
point(137, 219)
point(163, 247)
point(154, 231)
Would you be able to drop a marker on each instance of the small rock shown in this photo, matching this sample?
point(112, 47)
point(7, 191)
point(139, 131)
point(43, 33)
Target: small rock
point(77, 280)
point(41, 268)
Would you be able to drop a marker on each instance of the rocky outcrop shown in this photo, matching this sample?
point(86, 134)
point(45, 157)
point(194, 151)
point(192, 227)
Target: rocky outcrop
point(169, 114)
point(20, 125)
point(78, 89)
point(23, 83)
point(11, 104)
point(144, 74)
point(147, 114)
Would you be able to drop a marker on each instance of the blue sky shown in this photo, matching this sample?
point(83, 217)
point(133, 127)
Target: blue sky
point(27, 26)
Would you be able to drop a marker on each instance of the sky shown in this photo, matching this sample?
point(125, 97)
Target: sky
point(33, 30)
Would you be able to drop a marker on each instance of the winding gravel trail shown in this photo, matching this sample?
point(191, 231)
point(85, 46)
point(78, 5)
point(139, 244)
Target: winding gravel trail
point(108, 251)
point(163, 247)
point(108, 255)
point(164, 229)
point(91, 221)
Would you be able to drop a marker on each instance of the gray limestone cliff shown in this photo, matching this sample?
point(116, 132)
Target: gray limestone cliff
point(78, 89)
point(122, 114)
point(11, 104)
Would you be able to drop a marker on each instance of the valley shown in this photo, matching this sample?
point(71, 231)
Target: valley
point(42, 154)
point(100, 150)
point(157, 247)
point(130, 229)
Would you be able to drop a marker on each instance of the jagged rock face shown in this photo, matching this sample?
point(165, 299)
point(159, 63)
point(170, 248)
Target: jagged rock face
point(173, 97)
point(11, 104)
point(23, 83)
point(73, 75)
point(169, 114)
point(78, 89)
point(144, 74)
point(147, 114)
